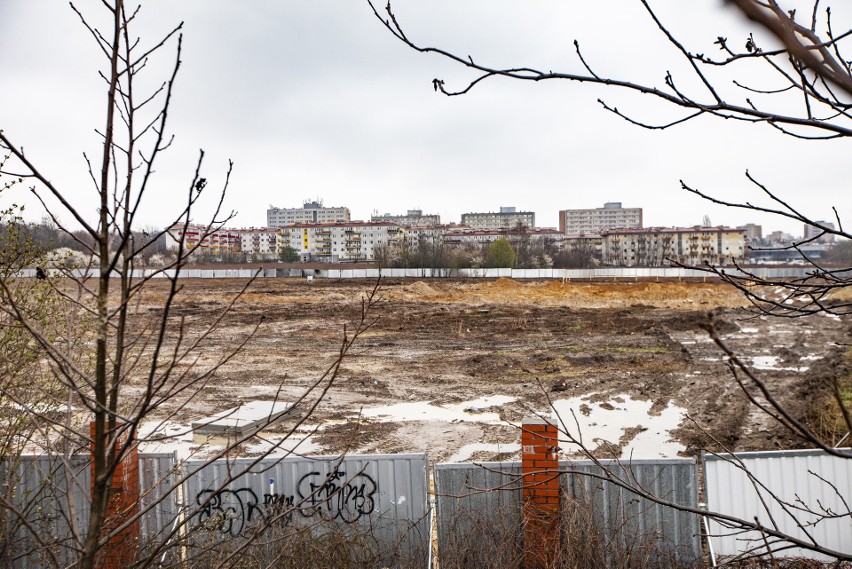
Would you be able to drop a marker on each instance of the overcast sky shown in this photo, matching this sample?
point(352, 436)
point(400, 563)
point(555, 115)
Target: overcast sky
point(315, 99)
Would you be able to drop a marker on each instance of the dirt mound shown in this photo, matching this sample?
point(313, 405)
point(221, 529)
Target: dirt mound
point(504, 283)
point(420, 288)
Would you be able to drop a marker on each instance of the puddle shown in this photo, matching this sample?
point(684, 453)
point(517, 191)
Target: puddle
point(764, 362)
point(749, 330)
point(608, 421)
point(169, 437)
point(771, 363)
point(475, 411)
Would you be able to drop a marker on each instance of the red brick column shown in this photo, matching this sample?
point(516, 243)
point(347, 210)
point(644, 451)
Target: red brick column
point(540, 465)
point(122, 548)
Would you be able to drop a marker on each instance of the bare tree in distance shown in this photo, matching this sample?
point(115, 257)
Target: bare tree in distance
point(114, 366)
point(814, 87)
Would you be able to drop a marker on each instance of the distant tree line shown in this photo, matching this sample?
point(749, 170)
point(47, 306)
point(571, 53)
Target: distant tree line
point(70, 247)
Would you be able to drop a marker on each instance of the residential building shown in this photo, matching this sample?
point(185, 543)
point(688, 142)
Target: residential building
point(778, 238)
point(815, 233)
point(753, 232)
point(660, 246)
point(580, 241)
point(310, 212)
point(431, 233)
point(610, 216)
point(204, 238)
point(340, 242)
point(412, 218)
point(468, 237)
point(506, 218)
point(259, 241)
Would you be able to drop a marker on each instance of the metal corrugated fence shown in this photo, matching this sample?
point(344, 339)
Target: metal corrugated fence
point(478, 506)
point(806, 494)
point(49, 506)
point(479, 509)
point(53, 495)
point(383, 498)
point(608, 273)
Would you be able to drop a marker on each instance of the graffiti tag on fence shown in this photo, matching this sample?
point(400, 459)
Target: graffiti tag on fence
point(228, 511)
point(332, 496)
point(337, 497)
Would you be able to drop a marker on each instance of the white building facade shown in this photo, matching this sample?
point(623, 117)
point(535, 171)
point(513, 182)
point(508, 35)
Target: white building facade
point(204, 239)
point(412, 218)
point(340, 242)
point(661, 246)
point(506, 218)
point(310, 212)
point(609, 217)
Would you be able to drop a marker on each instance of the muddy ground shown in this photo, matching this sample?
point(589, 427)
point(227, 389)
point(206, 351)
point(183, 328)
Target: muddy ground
point(630, 356)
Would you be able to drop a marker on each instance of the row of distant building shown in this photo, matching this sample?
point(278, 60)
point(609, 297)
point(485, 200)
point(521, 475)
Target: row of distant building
point(316, 233)
point(571, 221)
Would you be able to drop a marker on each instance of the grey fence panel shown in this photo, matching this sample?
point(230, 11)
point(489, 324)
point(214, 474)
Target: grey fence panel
point(159, 499)
point(637, 525)
point(51, 502)
point(476, 527)
point(809, 479)
point(479, 510)
point(382, 498)
point(55, 501)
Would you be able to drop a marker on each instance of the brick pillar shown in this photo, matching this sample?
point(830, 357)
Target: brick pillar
point(122, 548)
point(540, 465)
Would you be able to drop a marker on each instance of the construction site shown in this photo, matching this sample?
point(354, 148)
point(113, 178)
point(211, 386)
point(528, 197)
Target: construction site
point(451, 366)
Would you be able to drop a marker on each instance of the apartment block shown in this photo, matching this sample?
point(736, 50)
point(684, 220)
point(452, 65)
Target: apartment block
point(467, 237)
point(660, 246)
point(506, 218)
point(412, 218)
point(205, 239)
point(815, 233)
point(753, 232)
point(259, 241)
point(340, 242)
point(610, 216)
point(432, 233)
point(310, 212)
